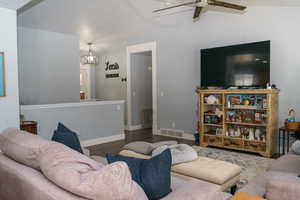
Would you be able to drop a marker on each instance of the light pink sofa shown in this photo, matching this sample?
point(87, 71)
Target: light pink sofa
point(18, 181)
point(280, 182)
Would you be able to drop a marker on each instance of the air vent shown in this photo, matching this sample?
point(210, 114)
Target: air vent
point(172, 132)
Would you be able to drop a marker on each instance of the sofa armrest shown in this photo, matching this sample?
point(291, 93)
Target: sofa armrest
point(283, 188)
point(86, 151)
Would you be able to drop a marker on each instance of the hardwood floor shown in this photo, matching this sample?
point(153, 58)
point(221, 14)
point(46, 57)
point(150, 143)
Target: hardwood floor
point(132, 136)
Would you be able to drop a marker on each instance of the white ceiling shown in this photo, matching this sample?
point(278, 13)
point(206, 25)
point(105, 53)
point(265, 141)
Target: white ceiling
point(106, 20)
point(13, 4)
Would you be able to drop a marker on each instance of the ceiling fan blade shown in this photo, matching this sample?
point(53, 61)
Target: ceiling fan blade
point(175, 6)
point(226, 5)
point(197, 12)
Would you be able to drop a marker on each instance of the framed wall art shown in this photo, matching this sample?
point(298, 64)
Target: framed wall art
point(2, 75)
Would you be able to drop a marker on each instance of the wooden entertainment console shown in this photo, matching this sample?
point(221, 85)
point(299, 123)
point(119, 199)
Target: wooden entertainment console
point(245, 119)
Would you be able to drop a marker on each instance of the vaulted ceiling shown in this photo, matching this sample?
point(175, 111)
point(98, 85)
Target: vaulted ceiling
point(13, 4)
point(95, 20)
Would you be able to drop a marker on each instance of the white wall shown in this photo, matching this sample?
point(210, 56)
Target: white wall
point(49, 67)
point(179, 41)
point(141, 87)
point(9, 105)
point(91, 120)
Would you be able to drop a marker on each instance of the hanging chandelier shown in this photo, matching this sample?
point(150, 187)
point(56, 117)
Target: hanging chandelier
point(91, 58)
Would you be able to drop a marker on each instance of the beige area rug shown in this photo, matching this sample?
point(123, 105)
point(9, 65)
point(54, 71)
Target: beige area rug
point(252, 165)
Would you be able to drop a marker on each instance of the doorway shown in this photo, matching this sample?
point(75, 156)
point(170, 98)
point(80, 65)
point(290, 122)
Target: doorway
point(85, 83)
point(141, 87)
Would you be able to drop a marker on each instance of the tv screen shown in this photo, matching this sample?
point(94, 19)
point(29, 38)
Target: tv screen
point(245, 65)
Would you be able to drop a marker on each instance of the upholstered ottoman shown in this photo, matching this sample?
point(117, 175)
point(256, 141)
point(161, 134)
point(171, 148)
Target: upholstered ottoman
point(221, 173)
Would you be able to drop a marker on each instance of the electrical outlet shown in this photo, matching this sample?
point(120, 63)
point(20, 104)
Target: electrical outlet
point(162, 94)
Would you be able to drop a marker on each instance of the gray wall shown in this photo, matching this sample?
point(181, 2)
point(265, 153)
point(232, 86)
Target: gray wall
point(48, 67)
point(113, 88)
point(92, 120)
point(141, 87)
point(179, 41)
point(9, 105)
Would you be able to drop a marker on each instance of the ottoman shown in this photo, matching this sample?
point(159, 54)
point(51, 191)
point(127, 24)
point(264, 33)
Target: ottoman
point(221, 173)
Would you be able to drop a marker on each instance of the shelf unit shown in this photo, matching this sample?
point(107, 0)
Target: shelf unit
point(266, 147)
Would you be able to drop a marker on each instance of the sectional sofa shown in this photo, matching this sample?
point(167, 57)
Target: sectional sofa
point(280, 182)
point(18, 180)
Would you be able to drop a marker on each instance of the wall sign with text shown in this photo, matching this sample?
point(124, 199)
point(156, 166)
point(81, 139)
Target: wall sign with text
point(112, 67)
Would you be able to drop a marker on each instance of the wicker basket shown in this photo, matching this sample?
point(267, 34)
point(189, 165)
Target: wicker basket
point(294, 126)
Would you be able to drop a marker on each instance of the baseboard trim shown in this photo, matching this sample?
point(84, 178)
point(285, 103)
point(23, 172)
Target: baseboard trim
point(102, 140)
point(186, 136)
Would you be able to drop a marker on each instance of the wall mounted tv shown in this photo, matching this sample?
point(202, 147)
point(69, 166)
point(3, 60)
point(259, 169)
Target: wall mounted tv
point(245, 65)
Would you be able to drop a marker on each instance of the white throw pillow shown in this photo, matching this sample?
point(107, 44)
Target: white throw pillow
point(181, 153)
point(296, 147)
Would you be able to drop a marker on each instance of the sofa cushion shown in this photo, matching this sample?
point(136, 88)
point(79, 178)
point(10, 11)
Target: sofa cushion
point(214, 171)
point(67, 137)
point(139, 147)
point(20, 182)
point(22, 147)
point(133, 154)
point(197, 190)
point(289, 163)
point(82, 176)
point(145, 147)
point(283, 187)
point(153, 175)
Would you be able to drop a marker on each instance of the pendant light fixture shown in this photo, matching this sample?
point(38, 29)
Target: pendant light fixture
point(91, 58)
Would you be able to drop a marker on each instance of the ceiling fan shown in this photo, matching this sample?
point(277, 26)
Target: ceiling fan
point(200, 4)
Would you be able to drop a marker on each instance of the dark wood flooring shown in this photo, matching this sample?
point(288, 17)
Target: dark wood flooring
point(132, 136)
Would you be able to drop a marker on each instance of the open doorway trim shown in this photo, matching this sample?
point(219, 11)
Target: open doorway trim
point(151, 46)
point(89, 81)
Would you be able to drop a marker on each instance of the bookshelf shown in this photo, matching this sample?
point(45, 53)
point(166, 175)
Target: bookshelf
point(245, 120)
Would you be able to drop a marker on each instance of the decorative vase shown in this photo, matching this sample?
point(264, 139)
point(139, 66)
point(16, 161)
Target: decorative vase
point(257, 134)
point(251, 134)
point(238, 132)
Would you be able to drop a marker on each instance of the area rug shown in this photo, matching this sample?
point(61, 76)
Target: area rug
point(252, 165)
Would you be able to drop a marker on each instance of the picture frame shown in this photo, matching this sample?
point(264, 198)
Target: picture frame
point(2, 75)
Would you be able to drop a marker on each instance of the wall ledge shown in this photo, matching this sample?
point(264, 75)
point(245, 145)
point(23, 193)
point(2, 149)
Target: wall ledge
point(102, 140)
point(66, 105)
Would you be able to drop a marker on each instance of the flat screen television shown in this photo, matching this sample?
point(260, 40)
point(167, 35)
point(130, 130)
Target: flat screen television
point(245, 65)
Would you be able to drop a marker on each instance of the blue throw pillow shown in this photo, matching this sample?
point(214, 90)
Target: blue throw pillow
point(67, 137)
point(62, 128)
point(153, 175)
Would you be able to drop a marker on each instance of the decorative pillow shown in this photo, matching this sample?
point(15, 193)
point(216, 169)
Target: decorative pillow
point(181, 153)
point(67, 137)
point(153, 175)
point(145, 147)
point(296, 147)
point(139, 147)
point(163, 143)
point(82, 176)
point(22, 147)
point(61, 127)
